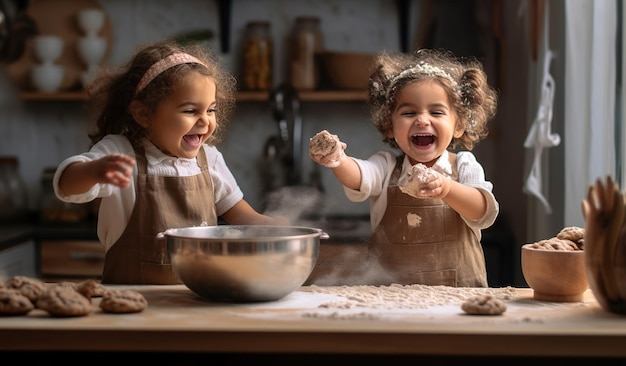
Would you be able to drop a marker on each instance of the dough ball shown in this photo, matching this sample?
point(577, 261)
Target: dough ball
point(483, 305)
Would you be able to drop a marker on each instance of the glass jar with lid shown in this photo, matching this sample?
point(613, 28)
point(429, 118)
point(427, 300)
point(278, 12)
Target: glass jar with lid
point(258, 56)
point(304, 51)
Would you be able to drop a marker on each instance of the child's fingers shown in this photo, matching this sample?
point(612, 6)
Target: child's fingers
point(118, 179)
point(122, 159)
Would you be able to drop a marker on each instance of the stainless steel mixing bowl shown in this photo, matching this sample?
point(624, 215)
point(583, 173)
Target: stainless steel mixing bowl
point(243, 263)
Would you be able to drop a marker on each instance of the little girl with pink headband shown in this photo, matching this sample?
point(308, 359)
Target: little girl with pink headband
point(153, 161)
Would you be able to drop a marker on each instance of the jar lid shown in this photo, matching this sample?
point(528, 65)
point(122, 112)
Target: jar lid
point(258, 23)
point(307, 19)
point(310, 18)
point(8, 160)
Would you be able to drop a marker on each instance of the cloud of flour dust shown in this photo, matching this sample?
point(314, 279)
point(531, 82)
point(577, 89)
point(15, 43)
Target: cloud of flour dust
point(349, 266)
point(293, 202)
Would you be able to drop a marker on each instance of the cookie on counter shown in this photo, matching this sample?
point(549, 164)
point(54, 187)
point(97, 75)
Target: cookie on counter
point(64, 301)
point(13, 302)
point(32, 288)
point(123, 301)
point(91, 288)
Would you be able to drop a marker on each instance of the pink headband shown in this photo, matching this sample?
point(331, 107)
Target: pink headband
point(160, 66)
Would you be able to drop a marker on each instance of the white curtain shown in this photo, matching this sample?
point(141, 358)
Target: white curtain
point(621, 156)
point(589, 99)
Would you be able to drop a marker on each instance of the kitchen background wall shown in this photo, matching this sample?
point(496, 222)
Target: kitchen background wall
point(42, 133)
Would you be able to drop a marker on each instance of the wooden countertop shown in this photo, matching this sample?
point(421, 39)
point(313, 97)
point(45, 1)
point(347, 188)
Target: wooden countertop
point(308, 321)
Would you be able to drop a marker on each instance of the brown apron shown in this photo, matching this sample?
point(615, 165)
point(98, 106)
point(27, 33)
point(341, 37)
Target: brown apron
point(423, 241)
point(138, 257)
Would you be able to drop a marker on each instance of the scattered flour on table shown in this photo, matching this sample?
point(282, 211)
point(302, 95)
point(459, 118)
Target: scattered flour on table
point(367, 302)
point(405, 296)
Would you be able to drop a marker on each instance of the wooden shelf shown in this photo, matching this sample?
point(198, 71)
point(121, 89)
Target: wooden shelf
point(310, 96)
point(53, 97)
point(242, 96)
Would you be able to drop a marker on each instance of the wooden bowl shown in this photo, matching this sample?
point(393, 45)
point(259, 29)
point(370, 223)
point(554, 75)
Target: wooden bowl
point(555, 275)
point(348, 70)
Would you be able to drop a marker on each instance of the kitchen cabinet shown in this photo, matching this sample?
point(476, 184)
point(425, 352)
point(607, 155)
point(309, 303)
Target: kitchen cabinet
point(18, 260)
point(62, 260)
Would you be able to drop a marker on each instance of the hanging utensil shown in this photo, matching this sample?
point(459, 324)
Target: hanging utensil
point(15, 27)
point(295, 136)
point(272, 169)
point(277, 103)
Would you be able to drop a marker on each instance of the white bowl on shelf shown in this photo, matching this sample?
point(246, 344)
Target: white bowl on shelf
point(88, 76)
point(47, 78)
point(92, 49)
point(47, 48)
point(90, 21)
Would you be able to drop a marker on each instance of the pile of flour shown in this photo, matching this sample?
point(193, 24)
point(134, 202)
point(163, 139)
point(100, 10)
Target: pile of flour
point(405, 296)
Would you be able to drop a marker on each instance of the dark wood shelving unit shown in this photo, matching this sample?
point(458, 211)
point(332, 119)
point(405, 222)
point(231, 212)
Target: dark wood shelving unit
point(242, 96)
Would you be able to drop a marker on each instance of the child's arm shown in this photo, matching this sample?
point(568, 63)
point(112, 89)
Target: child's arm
point(243, 214)
point(116, 169)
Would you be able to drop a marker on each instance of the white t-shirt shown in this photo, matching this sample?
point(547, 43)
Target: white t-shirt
point(376, 173)
point(117, 204)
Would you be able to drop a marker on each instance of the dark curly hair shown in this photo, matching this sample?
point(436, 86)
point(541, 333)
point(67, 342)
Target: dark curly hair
point(464, 81)
point(113, 90)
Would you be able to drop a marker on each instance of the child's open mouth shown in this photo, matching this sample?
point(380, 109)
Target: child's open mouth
point(193, 140)
point(422, 140)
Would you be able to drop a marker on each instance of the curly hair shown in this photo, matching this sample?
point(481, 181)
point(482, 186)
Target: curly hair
point(113, 91)
point(463, 80)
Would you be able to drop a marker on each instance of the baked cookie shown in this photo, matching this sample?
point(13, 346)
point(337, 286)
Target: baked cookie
point(13, 302)
point(573, 233)
point(91, 288)
point(555, 244)
point(32, 288)
point(483, 305)
point(64, 301)
point(123, 301)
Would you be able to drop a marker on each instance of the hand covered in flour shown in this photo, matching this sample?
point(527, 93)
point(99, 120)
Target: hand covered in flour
point(425, 182)
point(326, 149)
point(115, 169)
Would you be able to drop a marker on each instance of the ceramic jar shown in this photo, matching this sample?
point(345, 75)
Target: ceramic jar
point(47, 76)
point(304, 52)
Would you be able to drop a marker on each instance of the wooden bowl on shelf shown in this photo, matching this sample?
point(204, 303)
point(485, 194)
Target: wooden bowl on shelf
point(347, 70)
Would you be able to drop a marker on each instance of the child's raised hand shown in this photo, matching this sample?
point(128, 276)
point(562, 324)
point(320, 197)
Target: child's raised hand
point(424, 182)
point(326, 149)
point(437, 186)
point(116, 169)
